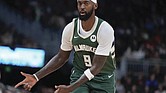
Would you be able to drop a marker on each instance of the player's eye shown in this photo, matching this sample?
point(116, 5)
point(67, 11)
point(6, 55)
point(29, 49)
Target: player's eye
point(87, 3)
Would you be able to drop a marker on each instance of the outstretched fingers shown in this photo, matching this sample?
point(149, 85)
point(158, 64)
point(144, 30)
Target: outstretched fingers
point(20, 84)
point(28, 82)
point(27, 86)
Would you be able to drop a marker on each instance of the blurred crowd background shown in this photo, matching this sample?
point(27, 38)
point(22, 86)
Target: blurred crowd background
point(140, 30)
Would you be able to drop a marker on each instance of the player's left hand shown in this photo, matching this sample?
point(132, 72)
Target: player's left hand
point(62, 89)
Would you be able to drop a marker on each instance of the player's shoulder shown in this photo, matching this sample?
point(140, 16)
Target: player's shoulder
point(106, 26)
point(103, 23)
point(71, 24)
point(69, 28)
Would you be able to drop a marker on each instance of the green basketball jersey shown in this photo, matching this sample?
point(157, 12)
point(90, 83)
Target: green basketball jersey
point(84, 51)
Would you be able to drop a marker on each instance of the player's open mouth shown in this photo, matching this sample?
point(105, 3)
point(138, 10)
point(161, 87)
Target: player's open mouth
point(82, 13)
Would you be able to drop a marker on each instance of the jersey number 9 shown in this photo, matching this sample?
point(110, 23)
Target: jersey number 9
point(87, 60)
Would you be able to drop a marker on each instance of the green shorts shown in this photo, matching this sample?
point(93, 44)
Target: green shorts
point(99, 84)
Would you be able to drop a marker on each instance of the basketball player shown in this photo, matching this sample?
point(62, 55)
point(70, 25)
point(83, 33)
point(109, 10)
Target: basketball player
point(92, 39)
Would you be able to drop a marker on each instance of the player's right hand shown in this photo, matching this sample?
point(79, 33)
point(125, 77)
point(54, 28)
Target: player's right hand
point(28, 82)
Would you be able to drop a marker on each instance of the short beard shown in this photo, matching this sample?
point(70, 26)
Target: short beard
point(86, 16)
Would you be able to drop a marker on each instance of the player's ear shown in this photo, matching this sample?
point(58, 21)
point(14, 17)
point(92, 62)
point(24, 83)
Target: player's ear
point(95, 6)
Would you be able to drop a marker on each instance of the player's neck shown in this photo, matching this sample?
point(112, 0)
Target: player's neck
point(88, 24)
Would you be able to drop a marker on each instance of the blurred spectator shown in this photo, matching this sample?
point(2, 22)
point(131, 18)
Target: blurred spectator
point(134, 89)
point(7, 38)
point(140, 82)
point(127, 82)
point(56, 22)
point(160, 89)
point(147, 89)
point(134, 54)
point(152, 83)
point(37, 9)
point(164, 81)
point(120, 87)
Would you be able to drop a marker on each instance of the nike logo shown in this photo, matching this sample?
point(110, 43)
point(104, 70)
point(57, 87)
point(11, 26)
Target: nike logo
point(109, 76)
point(73, 71)
point(75, 36)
